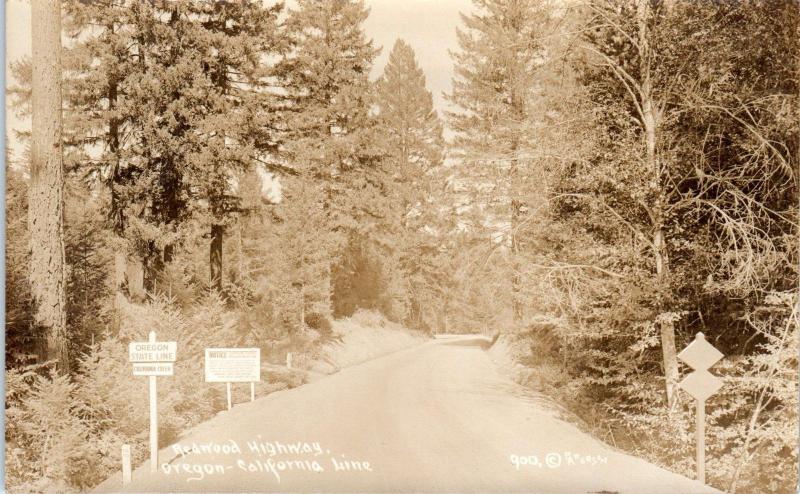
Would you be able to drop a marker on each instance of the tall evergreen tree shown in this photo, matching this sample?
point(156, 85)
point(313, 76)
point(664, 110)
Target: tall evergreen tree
point(413, 145)
point(99, 62)
point(500, 51)
point(412, 128)
point(332, 140)
point(180, 88)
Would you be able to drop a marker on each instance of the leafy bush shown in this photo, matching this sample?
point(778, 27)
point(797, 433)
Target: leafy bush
point(51, 441)
point(20, 344)
point(319, 323)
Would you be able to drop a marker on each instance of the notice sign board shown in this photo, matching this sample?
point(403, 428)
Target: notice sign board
point(232, 365)
point(152, 351)
point(153, 369)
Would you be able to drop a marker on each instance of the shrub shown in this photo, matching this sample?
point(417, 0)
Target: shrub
point(65, 434)
point(319, 323)
point(50, 441)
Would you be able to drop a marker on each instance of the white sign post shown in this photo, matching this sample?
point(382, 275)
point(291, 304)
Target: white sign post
point(233, 365)
point(701, 384)
point(153, 358)
point(126, 464)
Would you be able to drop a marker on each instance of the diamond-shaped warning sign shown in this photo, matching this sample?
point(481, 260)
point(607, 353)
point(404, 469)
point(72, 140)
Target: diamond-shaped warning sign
point(701, 384)
point(700, 354)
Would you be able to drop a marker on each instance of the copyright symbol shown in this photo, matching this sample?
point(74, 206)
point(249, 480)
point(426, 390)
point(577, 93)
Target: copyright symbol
point(552, 460)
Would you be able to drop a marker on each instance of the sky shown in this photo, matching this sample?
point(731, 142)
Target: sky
point(429, 26)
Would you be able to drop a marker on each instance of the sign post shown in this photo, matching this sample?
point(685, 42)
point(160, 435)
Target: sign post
point(153, 358)
point(700, 428)
point(700, 355)
point(126, 464)
point(153, 419)
point(232, 365)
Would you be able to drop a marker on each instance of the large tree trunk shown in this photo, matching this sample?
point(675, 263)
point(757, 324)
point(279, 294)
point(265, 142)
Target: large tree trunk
point(215, 256)
point(134, 277)
point(117, 218)
point(666, 327)
point(650, 120)
point(120, 265)
point(46, 196)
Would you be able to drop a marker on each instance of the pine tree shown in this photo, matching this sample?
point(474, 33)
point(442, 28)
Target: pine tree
point(178, 89)
point(20, 342)
point(304, 250)
point(47, 272)
point(413, 144)
point(500, 52)
point(238, 35)
point(327, 79)
point(97, 65)
point(413, 131)
point(332, 140)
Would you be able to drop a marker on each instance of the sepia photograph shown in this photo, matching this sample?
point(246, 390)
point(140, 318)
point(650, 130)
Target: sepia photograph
point(401, 246)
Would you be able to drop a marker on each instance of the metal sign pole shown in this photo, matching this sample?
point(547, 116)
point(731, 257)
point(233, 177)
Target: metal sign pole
point(228, 387)
point(701, 441)
point(700, 355)
point(252, 391)
point(153, 417)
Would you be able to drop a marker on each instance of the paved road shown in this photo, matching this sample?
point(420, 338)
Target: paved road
point(437, 417)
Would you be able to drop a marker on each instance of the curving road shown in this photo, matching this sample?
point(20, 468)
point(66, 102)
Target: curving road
point(434, 418)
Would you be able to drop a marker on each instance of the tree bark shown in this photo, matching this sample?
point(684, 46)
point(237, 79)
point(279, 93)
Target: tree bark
point(134, 276)
point(650, 120)
point(301, 301)
point(46, 194)
point(516, 279)
point(517, 204)
point(215, 256)
point(666, 327)
point(117, 219)
point(120, 265)
point(240, 248)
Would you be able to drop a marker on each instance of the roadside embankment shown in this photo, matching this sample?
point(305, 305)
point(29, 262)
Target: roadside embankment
point(363, 336)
